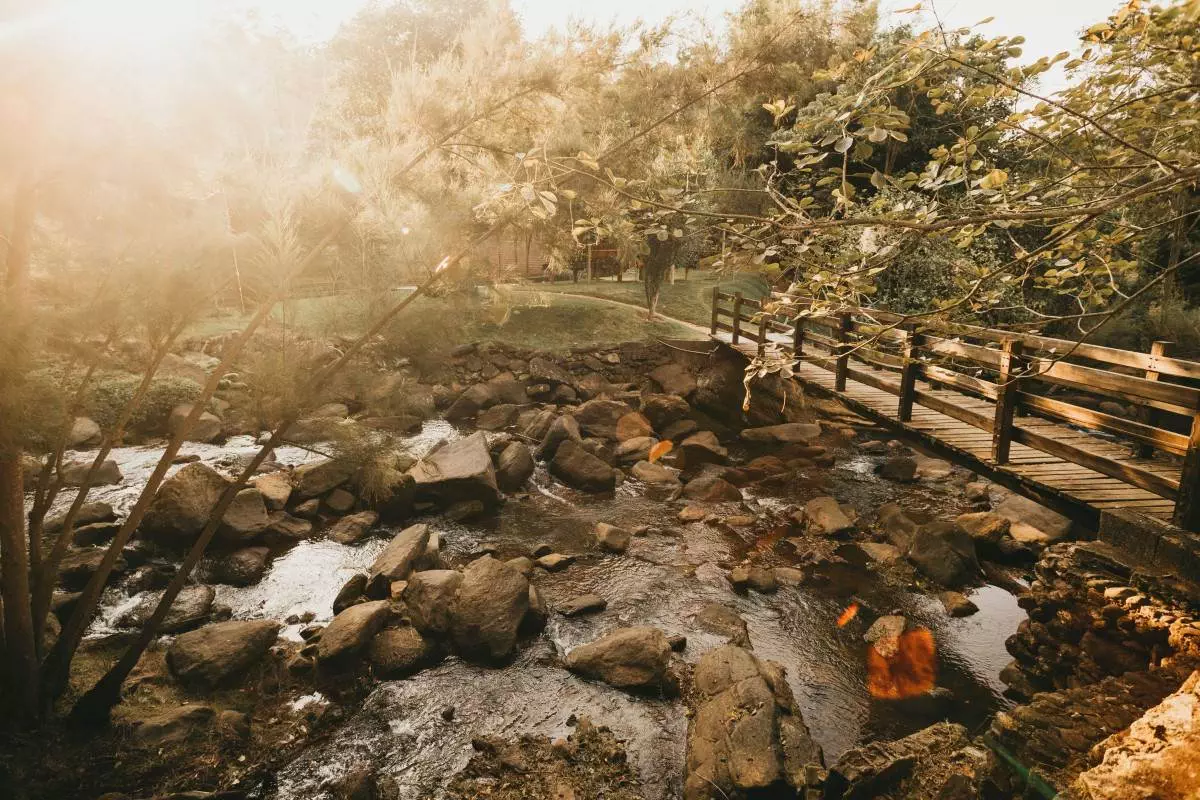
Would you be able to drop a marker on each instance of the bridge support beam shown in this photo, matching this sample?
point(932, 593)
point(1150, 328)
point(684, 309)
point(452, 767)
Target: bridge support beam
point(908, 374)
point(1187, 503)
point(842, 368)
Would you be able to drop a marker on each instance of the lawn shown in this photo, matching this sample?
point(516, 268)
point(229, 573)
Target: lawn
point(689, 300)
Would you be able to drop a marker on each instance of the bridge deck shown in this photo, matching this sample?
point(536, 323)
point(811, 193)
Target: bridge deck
point(1045, 474)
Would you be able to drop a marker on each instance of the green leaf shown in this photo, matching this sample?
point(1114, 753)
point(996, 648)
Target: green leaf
point(843, 144)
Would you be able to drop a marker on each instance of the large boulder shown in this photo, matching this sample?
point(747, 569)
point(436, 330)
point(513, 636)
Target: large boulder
point(84, 432)
point(746, 737)
point(217, 653)
point(353, 528)
point(633, 450)
point(824, 516)
point(936, 759)
point(78, 566)
point(275, 488)
point(399, 557)
point(945, 553)
point(538, 424)
point(458, 471)
point(245, 518)
point(170, 726)
point(712, 488)
point(429, 596)
point(633, 426)
point(513, 467)
point(244, 567)
point(896, 525)
point(471, 402)
point(206, 429)
point(73, 473)
point(488, 609)
point(320, 477)
point(785, 433)
point(543, 370)
point(576, 467)
point(563, 429)
point(183, 504)
point(655, 474)
point(352, 630)
point(702, 448)
point(600, 417)
point(674, 379)
point(191, 608)
point(399, 652)
point(627, 658)
point(663, 410)
point(88, 513)
point(1032, 523)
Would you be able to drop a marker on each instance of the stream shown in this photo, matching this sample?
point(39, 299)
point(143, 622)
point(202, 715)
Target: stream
point(663, 580)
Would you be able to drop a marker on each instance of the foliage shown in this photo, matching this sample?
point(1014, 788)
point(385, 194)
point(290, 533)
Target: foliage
point(108, 396)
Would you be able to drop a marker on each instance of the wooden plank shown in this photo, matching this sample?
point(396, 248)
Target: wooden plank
point(985, 388)
point(1185, 398)
point(1167, 441)
point(1130, 474)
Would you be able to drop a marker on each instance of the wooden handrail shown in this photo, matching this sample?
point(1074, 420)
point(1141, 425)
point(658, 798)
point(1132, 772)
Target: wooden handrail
point(1006, 369)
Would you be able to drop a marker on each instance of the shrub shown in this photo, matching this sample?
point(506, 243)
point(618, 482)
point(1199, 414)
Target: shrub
point(110, 395)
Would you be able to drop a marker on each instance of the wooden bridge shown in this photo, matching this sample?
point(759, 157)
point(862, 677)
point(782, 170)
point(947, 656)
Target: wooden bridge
point(1079, 426)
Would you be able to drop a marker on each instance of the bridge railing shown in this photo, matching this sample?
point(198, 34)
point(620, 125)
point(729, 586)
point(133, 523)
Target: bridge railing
point(1147, 400)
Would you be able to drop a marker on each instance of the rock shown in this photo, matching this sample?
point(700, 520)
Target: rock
point(633, 426)
point(283, 528)
point(339, 501)
point(191, 608)
point(977, 492)
point(396, 501)
point(987, 528)
point(600, 418)
point(351, 630)
point(331, 411)
point(429, 596)
point(88, 513)
point(398, 558)
point(539, 424)
point(275, 489)
point(84, 432)
point(627, 658)
point(747, 737)
point(470, 403)
point(73, 473)
point(896, 525)
point(655, 474)
point(1155, 756)
point(880, 552)
point(787, 433)
point(543, 370)
point(488, 609)
point(760, 579)
point(702, 448)
point(1033, 523)
point(309, 509)
point(874, 447)
point(824, 516)
point(898, 468)
point(498, 417)
point(321, 477)
point(664, 410)
point(877, 768)
point(612, 538)
point(400, 652)
point(932, 469)
point(677, 431)
point(555, 562)
point(692, 514)
point(206, 429)
point(352, 591)
point(514, 467)
point(578, 468)
point(633, 450)
point(674, 379)
point(723, 621)
point(245, 518)
point(353, 528)
point(957, 604)
point(712, 488)
point(244, 567)
point(538, 613)
point(583, 604)
point(945, 553)
point(78, 566)
point(94, 534)
point(563, 429)
point(173, 725)
point(218, 652)
point(457, 471)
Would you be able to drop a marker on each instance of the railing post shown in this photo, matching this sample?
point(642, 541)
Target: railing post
point(1187, 502)
point(716, 305)
point(842, 349)
point(1006, 401)
point(762, 333)
point(1158, 349)
point(908, 374)
point(798, 337)
point(737, 317)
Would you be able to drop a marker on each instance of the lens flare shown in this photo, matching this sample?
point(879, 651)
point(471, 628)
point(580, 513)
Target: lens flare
point(659, 450)
point(902, 666)
point(850, 613)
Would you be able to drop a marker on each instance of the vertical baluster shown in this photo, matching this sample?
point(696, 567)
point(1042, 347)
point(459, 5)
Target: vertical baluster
point(908, 374)
point(842, 350)
point(1187, 503)
point(715, 306)
point(737, 316)
point(1006, 400)
point(762, 333)
point(1158, 349)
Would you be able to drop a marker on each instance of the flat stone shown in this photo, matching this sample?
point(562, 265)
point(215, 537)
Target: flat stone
point(555, 562)
point(612, 538)
point(957, 604)
point(351, 630)
point(787, 433)
point(401, 554)
point(221, 651)
point(353, 528)
point(583, 604)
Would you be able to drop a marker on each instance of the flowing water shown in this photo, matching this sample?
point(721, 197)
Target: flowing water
point(665, 579)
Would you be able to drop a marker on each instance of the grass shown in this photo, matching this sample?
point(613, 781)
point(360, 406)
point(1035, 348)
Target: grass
point(689, 300)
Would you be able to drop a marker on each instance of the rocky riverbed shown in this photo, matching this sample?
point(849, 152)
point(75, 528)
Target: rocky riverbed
point(596, 577)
